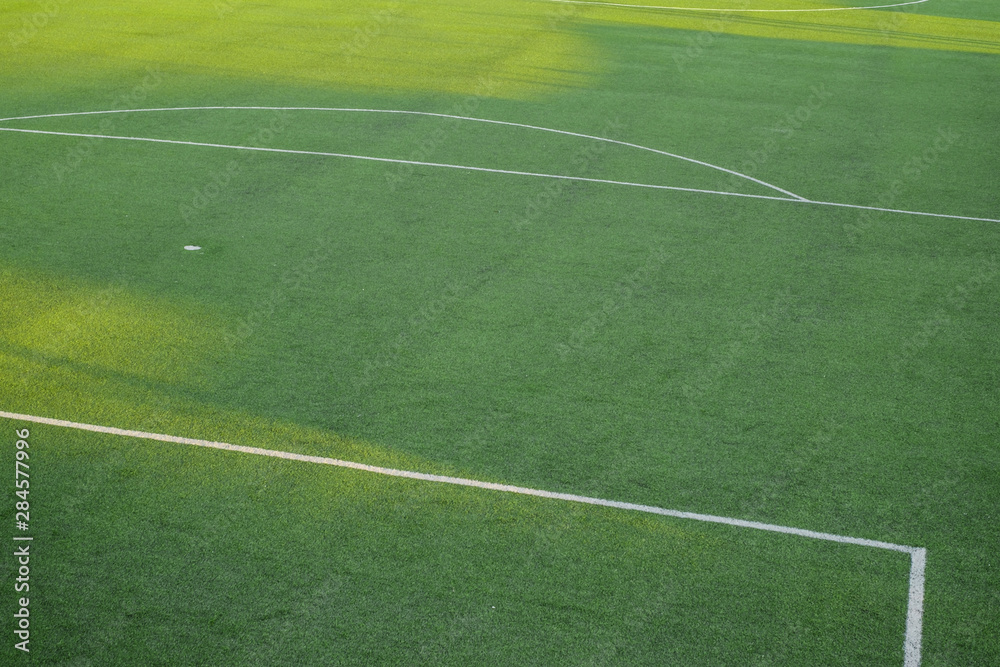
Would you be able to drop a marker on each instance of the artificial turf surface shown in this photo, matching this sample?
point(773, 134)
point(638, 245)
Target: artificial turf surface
point(811, 366)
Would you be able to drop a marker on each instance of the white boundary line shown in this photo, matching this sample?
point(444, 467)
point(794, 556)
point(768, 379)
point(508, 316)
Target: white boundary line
point(792, 197)
point(736, 11)
point(918, 555)
point(395, 161)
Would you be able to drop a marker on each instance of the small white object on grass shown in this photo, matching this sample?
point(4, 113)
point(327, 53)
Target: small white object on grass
point(192, 247)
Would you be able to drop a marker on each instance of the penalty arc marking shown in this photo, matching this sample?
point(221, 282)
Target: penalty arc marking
point(788, 196)
point(918, 555)
point(409, 113)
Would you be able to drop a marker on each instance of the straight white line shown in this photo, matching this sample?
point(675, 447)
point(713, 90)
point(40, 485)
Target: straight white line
point(915, 609)
point(796, 200)
point(463, 482)
point(735, 10)
point(399, 161)
point(918, 555)
point(424, 113)
point(897, 210)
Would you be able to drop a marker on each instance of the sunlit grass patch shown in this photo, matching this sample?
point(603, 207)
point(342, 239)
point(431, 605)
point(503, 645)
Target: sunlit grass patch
point(97, 331)
point(500, 49)
point(78, 351)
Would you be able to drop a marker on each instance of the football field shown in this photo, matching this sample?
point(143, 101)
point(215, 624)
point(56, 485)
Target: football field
point(419, 332)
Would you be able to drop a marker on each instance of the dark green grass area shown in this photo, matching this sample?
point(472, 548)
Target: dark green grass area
point(980, 10)
point(809, 366)
point(191, 556)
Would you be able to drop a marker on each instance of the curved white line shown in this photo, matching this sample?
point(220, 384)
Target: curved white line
point(793, 198)
point(427, 113)
point(733, 10)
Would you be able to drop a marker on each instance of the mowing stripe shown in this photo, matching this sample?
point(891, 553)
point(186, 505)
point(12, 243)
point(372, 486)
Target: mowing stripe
point(918, 555)
point(733, 9)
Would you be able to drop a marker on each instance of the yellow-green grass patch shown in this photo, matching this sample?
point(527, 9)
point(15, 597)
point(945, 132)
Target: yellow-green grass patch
point(501, 49)
point(50, 322)
point(882, 27)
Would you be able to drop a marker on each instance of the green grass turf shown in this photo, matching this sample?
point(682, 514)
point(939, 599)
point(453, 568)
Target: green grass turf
point(805, 366)
point(229, 559)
